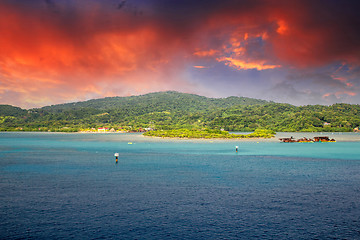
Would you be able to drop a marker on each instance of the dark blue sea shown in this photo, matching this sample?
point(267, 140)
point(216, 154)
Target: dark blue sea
point(68, 186)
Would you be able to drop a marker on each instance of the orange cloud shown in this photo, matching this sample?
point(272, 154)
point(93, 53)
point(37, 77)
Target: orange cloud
point(243, 48)
point(339, 93)
point(246, 36)
point(243, 65)
point(207, 53)
point(283, 27)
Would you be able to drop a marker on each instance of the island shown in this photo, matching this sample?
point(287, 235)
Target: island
point(208, 134)
point(178, 111)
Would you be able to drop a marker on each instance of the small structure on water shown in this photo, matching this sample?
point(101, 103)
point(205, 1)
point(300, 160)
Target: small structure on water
point(323, 139)
point(304, 139)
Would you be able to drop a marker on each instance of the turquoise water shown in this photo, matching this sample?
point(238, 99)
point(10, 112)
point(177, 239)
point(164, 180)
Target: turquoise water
point(56, 185)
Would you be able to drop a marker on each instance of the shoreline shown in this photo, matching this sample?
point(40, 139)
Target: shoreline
point(210, 139)
point(338, 136)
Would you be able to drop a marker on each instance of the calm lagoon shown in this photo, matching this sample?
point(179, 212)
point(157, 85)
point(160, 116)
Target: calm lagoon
point(61, 186)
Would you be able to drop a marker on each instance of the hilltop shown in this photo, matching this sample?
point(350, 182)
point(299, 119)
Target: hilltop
point(158, 102)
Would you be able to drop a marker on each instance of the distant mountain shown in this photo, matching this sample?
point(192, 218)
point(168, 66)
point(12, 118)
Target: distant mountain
point(158, 102)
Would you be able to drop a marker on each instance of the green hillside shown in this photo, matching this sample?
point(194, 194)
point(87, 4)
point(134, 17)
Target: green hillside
point(8, 110)
point(173, 110)
point(157, 102)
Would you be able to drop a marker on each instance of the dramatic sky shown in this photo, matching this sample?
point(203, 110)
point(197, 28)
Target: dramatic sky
point(295, 51)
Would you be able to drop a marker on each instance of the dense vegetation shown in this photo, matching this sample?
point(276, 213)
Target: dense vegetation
point(208, 133)
point(173, 110)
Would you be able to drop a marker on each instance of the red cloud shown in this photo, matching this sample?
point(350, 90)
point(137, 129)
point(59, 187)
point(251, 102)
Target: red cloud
point(52, 53)
point(294, 33)
point(42, 60)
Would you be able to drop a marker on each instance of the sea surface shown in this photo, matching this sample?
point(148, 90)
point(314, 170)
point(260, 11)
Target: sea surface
point(68, 186)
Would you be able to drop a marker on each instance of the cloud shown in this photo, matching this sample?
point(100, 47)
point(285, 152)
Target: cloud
point(239, 64)
point(206, 53)
point(200, 67)
point(288, 92)
point(295, 33)
point(340, 93)
point(56, 51)
point(44, 59)
point(121, 4)
point(325, 86)
point(317, 33)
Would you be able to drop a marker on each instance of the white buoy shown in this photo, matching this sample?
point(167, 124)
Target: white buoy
point(116, 157)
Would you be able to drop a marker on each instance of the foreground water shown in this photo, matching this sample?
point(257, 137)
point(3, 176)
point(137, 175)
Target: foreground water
point(62, 186)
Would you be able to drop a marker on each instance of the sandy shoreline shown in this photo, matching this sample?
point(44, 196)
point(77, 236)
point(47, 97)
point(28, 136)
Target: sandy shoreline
point(338, 136)
point(211, 139)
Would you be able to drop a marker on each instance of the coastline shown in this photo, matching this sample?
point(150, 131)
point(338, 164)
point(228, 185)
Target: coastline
point(338, 136)
point(210, 139)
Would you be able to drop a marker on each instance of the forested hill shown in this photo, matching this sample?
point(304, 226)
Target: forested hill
point(173, 110)
point(8, 110)
point(157, 102)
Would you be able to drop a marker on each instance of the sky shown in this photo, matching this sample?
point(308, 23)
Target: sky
point(293, 51)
